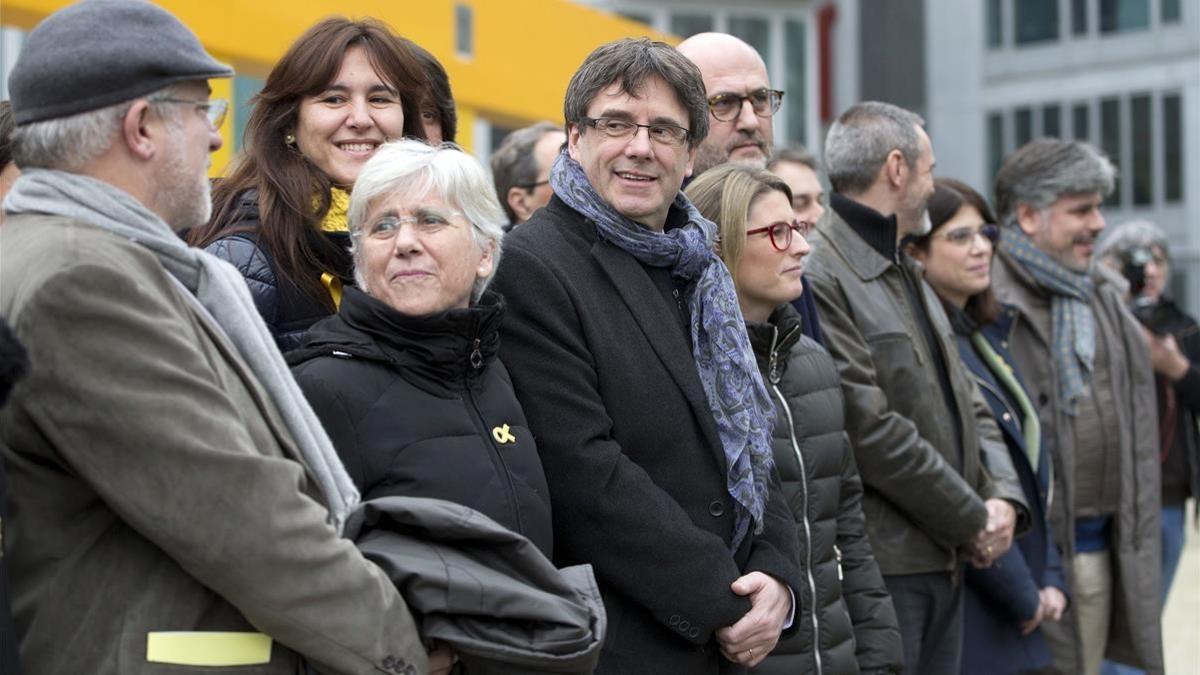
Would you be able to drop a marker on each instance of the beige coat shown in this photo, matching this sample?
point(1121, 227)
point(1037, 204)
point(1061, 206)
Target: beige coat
point(1135, 636)
point(153, 486)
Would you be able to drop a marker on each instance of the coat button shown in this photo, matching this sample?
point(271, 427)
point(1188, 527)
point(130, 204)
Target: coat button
point(695, 632)
point(1006, 417)
point(1043, 399)
point(1004, 344)
point(716, 509)
point(674, 620)
point(684, 626)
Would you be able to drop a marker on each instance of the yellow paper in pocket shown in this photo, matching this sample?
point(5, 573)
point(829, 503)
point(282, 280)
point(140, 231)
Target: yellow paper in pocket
point(211, 648)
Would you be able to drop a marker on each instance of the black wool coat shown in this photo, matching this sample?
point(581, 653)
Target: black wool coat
point(421, 407)
point(602, 364)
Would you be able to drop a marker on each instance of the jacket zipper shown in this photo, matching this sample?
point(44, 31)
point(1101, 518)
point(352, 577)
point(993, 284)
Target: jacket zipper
point(477, 364)
point(812, 584)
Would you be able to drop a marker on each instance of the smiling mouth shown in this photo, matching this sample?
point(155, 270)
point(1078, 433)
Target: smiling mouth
point(637, 178)
point(357, 148)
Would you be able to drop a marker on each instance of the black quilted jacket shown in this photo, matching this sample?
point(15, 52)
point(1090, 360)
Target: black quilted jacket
point(852, 612)
point(287, 310)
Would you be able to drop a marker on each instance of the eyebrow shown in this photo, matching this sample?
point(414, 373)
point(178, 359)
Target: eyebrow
point(374, 88)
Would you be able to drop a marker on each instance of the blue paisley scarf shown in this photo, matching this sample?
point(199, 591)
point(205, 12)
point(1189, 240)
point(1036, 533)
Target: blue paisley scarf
point(736, 395)
point(1072, 326)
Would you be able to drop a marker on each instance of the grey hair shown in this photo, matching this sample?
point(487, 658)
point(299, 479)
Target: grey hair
point(860, 140)
point(513, 164)
point(1130, 236)
point(796, 154)
point(629, 63)
point(419, 169)
point(72, 142)
point(1043, 170)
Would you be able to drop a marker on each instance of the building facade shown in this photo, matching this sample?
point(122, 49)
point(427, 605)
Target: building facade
point(509, 61)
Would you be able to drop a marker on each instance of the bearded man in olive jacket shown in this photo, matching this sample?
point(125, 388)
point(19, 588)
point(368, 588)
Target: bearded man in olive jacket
point(1086, 364)
point(938, 482)
point(171, 492)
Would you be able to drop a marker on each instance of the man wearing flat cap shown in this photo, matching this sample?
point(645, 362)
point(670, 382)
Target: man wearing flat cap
point(174, 501)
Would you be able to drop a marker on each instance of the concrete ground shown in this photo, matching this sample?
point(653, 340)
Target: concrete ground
point(1181, 618)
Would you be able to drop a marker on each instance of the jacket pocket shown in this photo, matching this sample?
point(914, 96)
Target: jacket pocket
point(898, 370)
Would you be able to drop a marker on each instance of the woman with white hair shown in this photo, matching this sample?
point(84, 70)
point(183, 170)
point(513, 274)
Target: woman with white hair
point(405, 376)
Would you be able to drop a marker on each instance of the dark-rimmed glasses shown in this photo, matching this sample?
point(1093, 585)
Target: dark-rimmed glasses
point(764, 102)
point(964, 236)
point(662, 133)
point(533, 186)
point(781, 232)
point(214, 109)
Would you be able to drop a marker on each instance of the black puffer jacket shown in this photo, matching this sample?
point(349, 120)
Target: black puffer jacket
point(287, 309)
point(421, 407)
point(852, 612)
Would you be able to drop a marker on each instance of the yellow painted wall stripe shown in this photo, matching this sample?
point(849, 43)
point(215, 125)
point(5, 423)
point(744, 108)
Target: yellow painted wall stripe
point(208, 648)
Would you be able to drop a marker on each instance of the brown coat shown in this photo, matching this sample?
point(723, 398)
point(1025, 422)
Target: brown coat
point(1135, 636)
point(922, 501)
point(153, 485)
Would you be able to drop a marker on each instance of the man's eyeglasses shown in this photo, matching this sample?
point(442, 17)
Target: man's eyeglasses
point(533, 186)
point(781, 232)
point(662, 133)
point(214, 109)
point(764, 102)
point(964, 236)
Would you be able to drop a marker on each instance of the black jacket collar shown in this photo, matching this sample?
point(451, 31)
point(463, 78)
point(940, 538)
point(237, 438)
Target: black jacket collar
point(451, 346)
point(878, 230)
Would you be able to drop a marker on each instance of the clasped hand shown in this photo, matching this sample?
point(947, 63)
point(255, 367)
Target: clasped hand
point(754, 635)
point(996, 537)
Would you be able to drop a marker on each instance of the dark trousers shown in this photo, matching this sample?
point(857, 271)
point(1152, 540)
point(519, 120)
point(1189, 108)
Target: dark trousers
point(930, 610)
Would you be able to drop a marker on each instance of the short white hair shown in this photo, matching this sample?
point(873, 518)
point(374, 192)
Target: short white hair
point(418, 169)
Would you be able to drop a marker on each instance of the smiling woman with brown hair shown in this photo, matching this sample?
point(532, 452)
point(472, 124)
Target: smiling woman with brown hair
point(343, 89)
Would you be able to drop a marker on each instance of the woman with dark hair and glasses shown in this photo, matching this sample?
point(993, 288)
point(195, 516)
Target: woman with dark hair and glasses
point(1004, 604)
point(342, 90)
point(846, 623)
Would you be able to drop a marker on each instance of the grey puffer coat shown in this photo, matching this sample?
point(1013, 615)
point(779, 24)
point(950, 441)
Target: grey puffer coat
point(852, 611)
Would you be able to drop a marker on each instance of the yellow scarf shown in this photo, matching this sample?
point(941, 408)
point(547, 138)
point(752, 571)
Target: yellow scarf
point(335, 221)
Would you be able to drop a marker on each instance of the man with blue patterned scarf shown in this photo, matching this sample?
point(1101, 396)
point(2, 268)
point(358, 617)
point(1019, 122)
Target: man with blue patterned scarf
point(1087, 366)
point(627, 350)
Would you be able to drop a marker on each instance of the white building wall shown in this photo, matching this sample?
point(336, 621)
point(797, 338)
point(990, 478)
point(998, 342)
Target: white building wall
point(968, 80)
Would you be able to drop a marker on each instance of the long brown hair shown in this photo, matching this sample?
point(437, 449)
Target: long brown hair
point(949, 196)
point(287, 183)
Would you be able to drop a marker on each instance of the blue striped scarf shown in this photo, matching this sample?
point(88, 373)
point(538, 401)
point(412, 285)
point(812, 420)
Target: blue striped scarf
point(1072, 325)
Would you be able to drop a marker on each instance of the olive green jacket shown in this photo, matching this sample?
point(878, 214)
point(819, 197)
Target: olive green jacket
point(1135, 636)
point(922, 499)
point(153, 486)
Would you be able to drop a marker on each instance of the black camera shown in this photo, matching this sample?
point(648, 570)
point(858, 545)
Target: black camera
point(1153, 314)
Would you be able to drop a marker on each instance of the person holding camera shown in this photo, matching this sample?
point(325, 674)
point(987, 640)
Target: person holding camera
point(1139, 250)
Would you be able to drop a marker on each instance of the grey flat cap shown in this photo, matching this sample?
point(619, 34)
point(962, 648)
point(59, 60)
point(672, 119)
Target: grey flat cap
point(97, 53)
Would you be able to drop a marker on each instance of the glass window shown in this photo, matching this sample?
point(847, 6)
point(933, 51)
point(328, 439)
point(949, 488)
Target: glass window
point(1172, 105)
point(995, 130)
point(687, 25)
point(1079, 17)
point(995, 24)
point(795, 104)
point(1141, 149)
point(1036, 20)
point(1022, 126)
point(1080, 129)
point(244, 88)
point(464, 30)
point(1052, 120)
point(1121, 15)
point(1170, 11)
point(755, 31)
point(1110, 141)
